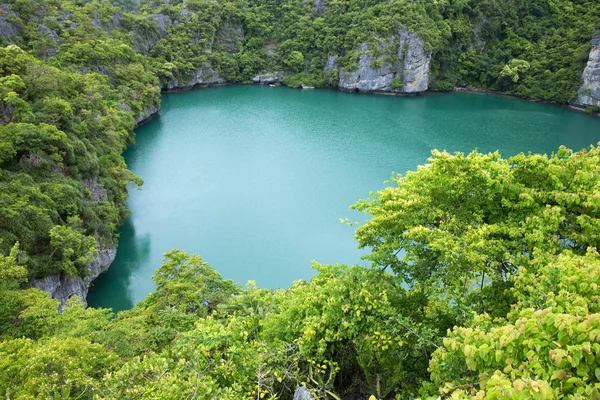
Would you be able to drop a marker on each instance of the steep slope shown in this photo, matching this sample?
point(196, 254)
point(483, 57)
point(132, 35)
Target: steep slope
point(589, 93)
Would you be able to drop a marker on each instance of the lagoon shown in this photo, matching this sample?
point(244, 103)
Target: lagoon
point(255, 179)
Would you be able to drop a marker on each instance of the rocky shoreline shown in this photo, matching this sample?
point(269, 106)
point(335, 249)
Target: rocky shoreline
point(408, 75)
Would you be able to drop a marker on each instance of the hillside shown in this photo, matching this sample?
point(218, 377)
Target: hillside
point(517, 268)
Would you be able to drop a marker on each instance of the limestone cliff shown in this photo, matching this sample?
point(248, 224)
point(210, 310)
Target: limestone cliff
point(62, 288)
point(268, 78)
point(201, 77)
point(589, 93)
point(401, 59)
point(7, 29)
point(147, 114)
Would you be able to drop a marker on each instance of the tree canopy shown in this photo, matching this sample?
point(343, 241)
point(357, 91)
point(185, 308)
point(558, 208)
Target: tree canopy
point(484, 284)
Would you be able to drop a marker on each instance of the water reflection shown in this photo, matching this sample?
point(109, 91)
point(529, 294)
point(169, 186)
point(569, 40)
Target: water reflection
point(114, 288)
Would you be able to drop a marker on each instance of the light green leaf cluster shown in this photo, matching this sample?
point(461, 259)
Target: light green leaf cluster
point(548, 346)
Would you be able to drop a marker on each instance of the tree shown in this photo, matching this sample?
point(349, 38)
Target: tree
point(71, 249)
point(459, 226)
point(11, 273)
point(295, 61)
point(187, 283)
point(514, 70)
point(546, 347)
point(54, 368)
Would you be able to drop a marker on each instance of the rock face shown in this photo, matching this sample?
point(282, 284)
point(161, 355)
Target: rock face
point(162, 23)
point(268, 78)
point(589, 93)
point(62, 288)
point(201, 77)
point(376, 73)
point(147, 114)
point(7, 29)
point(97, 192)
point(100, 263)
point(302, 393)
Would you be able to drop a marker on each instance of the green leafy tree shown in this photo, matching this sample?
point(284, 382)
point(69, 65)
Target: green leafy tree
point(514, 70)
point(546, 347)
point(71, 249)
point(187, 283)
point(460, 225)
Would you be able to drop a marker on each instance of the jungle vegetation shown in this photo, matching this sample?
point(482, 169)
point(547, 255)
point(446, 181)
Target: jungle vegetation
point(485, 277)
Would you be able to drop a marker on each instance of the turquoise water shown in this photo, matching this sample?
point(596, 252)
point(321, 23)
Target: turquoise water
point(255, 179)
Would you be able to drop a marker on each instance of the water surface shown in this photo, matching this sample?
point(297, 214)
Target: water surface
point(255, 179)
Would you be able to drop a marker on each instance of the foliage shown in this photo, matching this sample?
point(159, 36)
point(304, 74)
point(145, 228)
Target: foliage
point(398, 83)
point(188, 284)
point(494, 294)
point(461, 225)
point(547, 346)
point(495, 266)
point(515, 70)
point(593, 109)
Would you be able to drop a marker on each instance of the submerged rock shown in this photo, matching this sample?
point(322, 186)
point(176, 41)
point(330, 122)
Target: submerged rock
point(589, 93)
point(401, 61)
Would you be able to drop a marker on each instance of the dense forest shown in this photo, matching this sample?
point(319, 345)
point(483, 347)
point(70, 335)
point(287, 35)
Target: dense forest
point(485, 276)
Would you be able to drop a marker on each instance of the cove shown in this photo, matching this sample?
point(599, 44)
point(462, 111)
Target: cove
point(255, 179)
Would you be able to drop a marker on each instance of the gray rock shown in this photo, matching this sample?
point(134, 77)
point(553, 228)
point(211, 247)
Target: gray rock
point(147, 114)
point(97, 191)
point(162, 23)
point(123, 106)
point(186, 14)
point(412, 66)
point(268, 78)
point(416, 62)
point(53, 36)
point(204, 76)
point(62, 288)
point(6, 113)
point(7, 29)
point(100, 262)
point(589, 93)
point(33, 161)
point(331, 63)
point(302, 393)
point(142, 43)
point(320, 6)
point(109, 25)
point(331, 74)
point(271, 49)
